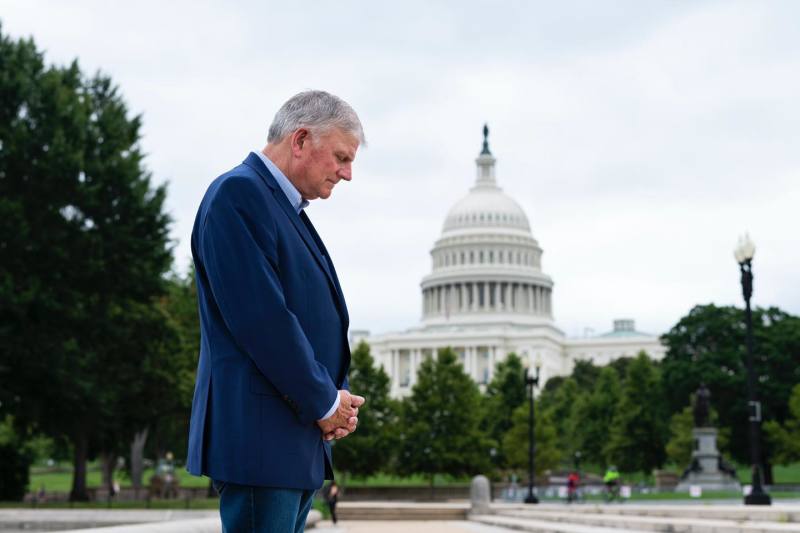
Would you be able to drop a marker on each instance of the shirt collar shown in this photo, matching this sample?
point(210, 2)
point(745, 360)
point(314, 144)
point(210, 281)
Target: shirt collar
point(291, 192)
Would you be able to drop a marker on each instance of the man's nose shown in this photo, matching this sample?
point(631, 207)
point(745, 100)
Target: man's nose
point(346, 173)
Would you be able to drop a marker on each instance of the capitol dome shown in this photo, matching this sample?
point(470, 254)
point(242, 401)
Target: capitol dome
point(486, 264)
point(486, 205)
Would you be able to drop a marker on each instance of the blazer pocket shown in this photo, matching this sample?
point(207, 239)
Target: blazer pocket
point(260, 385)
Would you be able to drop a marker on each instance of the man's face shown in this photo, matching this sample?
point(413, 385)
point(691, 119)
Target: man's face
point(321, 161)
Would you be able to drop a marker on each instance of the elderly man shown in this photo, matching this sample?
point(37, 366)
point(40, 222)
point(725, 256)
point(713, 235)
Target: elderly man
point(271, 386)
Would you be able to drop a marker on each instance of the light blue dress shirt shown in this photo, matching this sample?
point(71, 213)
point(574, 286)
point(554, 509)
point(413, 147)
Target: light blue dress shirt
point(286, 186)
point(297, 201)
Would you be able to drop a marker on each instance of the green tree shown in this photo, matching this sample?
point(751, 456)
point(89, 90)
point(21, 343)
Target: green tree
point(15, 461)
point(594, 415)
point(84, 239)
point(585, 374)
point(621, 364)
point(547, 453)
point(170, 382)
point(504, 394)
point(785, 438)
point(708, 345)
point(439, 429)
point(639, 428)
point(370, 448)
point(560, 404)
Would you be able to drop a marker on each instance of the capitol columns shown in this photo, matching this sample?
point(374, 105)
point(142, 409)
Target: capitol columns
point(415, 356)
point(472, 359)
point(474, 291)
point(532, 297)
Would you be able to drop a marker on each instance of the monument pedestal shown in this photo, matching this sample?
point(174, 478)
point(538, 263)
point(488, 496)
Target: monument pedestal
point(705, 469)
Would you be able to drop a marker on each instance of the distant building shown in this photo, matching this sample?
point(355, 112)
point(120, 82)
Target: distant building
point(487, 296)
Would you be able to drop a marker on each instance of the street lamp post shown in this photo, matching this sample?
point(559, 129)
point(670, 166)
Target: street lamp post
point(531, 382)
point(744, 256)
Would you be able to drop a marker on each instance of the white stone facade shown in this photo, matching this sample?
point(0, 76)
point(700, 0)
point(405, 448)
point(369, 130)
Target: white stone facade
point(487, 296)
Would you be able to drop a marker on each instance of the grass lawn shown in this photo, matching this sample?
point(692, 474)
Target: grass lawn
point(198, 503)
point(61, 480)
point(782, 474)
point(386, 480)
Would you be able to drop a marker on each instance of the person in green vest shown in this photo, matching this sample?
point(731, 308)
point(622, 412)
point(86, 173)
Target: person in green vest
point(611, 480)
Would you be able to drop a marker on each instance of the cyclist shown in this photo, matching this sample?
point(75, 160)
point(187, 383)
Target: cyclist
point(611, 480)
point(573, 482)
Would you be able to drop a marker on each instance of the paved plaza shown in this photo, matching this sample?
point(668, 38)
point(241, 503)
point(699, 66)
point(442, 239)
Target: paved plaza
point(383, 517)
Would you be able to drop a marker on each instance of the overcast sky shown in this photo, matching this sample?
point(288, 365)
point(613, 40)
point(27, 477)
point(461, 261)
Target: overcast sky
point(640, 137)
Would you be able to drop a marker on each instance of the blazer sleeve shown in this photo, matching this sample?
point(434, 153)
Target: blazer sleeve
point(238, 249)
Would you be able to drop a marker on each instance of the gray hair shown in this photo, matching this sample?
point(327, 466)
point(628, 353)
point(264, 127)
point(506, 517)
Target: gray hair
point(315, 110)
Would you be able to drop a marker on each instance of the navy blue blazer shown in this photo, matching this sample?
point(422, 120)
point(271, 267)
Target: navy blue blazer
point(274, 348)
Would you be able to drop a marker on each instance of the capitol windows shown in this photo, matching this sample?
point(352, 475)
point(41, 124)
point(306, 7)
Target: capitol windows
point(462, 258)
point(471, 257)
point(480, 256)
point(491, 256)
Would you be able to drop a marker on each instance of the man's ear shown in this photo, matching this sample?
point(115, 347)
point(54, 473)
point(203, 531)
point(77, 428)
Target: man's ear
point(300, 137)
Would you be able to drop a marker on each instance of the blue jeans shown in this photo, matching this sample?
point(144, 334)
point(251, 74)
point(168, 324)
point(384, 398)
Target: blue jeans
point(246, 509)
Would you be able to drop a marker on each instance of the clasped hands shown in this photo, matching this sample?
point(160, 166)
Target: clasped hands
point(345, 419)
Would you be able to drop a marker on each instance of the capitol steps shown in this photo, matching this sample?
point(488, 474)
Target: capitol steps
point(401, 511)
point(635, 518)
point(543, 526)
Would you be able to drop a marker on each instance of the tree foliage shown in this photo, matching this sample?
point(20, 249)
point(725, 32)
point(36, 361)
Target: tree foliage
point(594, 415)
point(15, 462)
point(708, 345)
point(560, 404)
point(785, 438)
point(84, 239)
point(585, 374)
point(371, 447)
point(504, 394)
point(547, 453)
point(639, 428)
point(440, 421)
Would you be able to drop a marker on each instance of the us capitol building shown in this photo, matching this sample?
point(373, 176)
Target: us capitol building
point(487, 296)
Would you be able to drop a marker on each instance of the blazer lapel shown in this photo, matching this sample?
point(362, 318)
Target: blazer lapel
point(329, 261)
point(254, 162)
